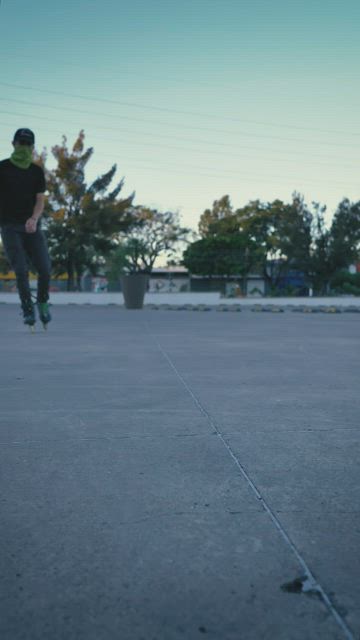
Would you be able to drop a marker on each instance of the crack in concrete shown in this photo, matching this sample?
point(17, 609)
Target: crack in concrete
point(308, 579)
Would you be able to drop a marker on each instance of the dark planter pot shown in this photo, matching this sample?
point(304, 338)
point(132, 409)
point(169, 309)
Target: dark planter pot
point(134, 288)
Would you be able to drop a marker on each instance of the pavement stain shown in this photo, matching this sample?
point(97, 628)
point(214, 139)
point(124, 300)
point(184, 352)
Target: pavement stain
point(301, 584)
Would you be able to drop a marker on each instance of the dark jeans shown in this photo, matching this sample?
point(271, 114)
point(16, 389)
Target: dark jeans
point(22, 248)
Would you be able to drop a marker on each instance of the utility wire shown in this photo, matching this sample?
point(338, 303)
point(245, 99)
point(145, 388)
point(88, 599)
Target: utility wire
point(181, 81)
point(214, 172)
point(217, 172)
point(243, 133)
point(192, 151)
point(172, 111)
point(289, 157)
point(157, 136)
point(250, 177)
point(202, 172)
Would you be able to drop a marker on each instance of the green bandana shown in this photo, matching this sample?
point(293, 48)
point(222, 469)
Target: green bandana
point(22, 157)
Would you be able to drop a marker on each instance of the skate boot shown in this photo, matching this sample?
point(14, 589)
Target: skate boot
point(28, 314)
point(44, 313)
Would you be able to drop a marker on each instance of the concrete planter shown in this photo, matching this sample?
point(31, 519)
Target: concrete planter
point(134, 288)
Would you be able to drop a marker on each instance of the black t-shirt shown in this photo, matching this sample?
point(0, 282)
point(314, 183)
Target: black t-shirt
point(18, 189)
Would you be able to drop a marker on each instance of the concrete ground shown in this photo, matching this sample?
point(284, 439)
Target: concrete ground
point(179, 475)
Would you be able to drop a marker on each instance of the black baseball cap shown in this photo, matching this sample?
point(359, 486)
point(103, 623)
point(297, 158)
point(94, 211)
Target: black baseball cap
point(25, 136)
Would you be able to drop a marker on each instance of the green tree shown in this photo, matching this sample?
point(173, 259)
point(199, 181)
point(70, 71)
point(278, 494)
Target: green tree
point(227, 255)
point(345, 234)
point(282, 233)
point(345, 282)
point(83, 221)
point(220, 213)
point(321, 267)
point(335, 248)
point(153, 234)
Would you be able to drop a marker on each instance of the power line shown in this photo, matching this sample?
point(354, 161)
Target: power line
point(186, 149)
point(213, 172)
point(179, 80)
point(172, 111)
point(145, 133)
point(241, 173)
point(217, 174)
point(248, 135)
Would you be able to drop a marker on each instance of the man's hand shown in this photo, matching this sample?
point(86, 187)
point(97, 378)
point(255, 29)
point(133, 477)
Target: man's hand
point(30, 225)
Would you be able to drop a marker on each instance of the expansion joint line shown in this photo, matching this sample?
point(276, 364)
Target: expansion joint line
point(313, 584)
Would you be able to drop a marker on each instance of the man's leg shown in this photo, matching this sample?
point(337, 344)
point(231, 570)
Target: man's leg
point(36, 248)
point(37, 251)
point(13, 242)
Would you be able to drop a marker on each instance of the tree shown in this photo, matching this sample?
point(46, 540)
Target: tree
point(336, 248)
point(153, 234)
point(345, 234)
point(282, 233)
point(221, 211)
point(231, 255)
point(321, 261)
point(345, 282)
point(83, 220)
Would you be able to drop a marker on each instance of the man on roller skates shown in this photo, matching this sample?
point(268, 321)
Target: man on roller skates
point(22, 196)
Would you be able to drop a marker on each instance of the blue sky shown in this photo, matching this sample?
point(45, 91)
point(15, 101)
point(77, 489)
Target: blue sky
point(193, 99)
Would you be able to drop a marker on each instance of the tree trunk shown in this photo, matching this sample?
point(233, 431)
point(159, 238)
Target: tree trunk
point(71, 274)
point(78, 281)
point(267, 279)
point(244, 285)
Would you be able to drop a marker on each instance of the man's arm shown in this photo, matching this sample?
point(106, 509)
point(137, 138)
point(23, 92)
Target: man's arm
point(31, 223)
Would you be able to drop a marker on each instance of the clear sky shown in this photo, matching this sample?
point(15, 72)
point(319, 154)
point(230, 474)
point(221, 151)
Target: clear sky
point(192, 99)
